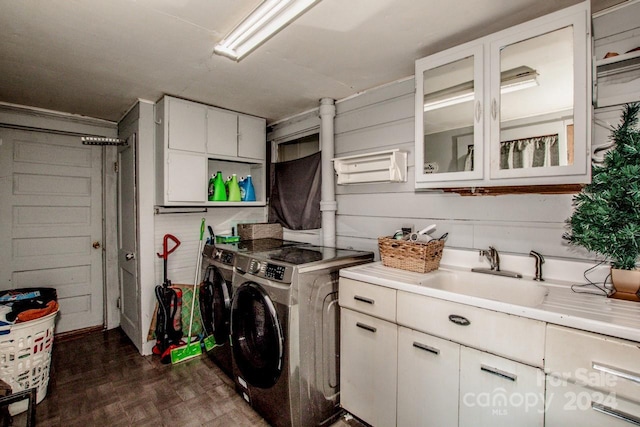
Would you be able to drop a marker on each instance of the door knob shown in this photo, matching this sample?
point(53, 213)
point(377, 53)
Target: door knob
point(96, 245)
point(129, 256)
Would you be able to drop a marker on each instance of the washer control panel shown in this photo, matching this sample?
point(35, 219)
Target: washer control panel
point(264, 269)
point(274, 271)
point(254, 267)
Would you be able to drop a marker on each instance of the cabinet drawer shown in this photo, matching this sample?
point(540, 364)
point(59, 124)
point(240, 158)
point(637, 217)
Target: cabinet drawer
point(368, 367)
point(499, 392)
point(569, 404)
point(514, 337)
point(366, 298)
point(428, 380)
point(598, 361)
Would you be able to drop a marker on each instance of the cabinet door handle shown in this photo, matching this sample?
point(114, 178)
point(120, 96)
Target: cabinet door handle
point(615, 413)
point(366, 327)
point(478, 110)
point(498, 372)
point(494, 108)
point(627, 375)
point(426, 348)
point(363, 299)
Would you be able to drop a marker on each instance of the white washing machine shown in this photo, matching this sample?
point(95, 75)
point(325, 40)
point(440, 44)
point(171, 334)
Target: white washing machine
point(216, 292)
point(285, 332)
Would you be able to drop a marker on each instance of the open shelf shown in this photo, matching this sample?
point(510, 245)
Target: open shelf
point(618, 64)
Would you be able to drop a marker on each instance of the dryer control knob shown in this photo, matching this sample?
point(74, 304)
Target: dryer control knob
point(254, 266)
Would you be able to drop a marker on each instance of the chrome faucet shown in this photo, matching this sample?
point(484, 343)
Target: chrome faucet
point(539, 261)
point(493, 257)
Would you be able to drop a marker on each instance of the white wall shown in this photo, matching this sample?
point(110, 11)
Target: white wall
point(383, 118)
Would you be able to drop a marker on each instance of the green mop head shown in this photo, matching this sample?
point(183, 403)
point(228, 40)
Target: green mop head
point(189, 351)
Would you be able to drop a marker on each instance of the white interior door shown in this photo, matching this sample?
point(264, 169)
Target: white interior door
point(127, 242)
point(51, 221)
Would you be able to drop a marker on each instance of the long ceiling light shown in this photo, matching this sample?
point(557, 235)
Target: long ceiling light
point(510, 81)
point(266, 20)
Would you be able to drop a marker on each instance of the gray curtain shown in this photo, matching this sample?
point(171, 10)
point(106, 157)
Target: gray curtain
point(295, 193)
point(540, 151)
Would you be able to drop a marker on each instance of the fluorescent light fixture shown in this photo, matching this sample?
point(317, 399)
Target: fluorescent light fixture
point(449, 96)
point(511, 81)
point(266, 20)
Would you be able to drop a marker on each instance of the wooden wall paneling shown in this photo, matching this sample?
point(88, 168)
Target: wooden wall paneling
point(377, 95)
point(378, 137)
point(521, 208)
point(389, 111)
point(186, 227)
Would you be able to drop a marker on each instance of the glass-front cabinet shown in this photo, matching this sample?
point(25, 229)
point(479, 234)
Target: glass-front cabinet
point(510, 109)
point(451, 108)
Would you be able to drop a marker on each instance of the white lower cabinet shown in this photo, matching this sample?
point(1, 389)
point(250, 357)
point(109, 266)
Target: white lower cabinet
point(442, 383)
point(412, 360)
point(569, 404)
point(495, 391)
point(368, 367)
point(428, 375)
point(593, 380)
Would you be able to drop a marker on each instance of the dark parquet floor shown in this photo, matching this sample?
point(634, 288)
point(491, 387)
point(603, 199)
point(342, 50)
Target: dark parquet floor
point(100, 379)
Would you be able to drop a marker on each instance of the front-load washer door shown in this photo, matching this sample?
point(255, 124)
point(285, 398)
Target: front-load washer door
point(256, 336)
point(215, 306)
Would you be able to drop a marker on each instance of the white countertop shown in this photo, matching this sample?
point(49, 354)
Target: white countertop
point(561, 306)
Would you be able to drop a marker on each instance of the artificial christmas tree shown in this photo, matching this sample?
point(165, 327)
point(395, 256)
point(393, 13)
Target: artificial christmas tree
point(606, 218)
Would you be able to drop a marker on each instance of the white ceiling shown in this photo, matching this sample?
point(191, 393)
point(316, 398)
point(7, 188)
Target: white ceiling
point(97, 57)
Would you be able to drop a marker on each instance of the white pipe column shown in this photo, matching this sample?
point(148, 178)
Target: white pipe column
point(328, 205)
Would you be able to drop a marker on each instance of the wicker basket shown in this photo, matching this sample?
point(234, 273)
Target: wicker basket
point(259, 231)
point(411, 256)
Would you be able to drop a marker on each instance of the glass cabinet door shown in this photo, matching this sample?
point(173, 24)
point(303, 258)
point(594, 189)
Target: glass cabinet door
point(449, 116)
point(538, 102)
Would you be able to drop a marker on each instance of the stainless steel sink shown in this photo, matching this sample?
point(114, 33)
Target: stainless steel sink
point(497, 288)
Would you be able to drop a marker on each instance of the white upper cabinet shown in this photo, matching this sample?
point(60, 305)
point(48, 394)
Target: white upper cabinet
point(252, 137)
point(222, 132)
point(184, 178)
point(449, 116)
point(512, 108)
point(187, 125)
point(194, 141)
point(235, 135)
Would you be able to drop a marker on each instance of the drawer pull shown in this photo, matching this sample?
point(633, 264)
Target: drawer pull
point(615, 413)
point(459, 320)
point(627, 375)
point(366, 327)
point(363, 299)
point(426, 348)
point(498, 372)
